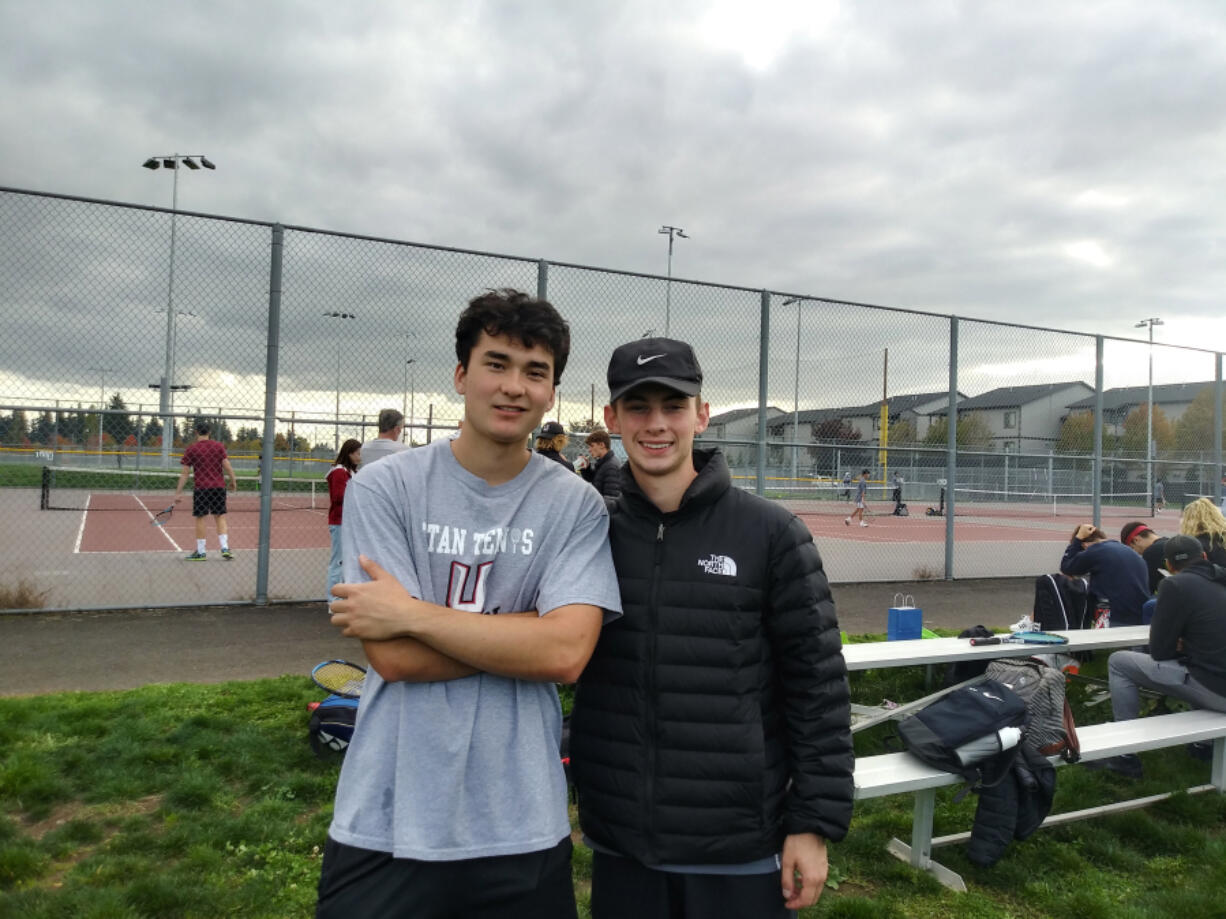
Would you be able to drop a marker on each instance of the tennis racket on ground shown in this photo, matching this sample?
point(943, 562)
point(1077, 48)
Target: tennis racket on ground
point(160, 518)
point(340, 678)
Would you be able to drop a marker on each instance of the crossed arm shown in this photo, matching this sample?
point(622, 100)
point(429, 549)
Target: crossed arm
point(410, 640)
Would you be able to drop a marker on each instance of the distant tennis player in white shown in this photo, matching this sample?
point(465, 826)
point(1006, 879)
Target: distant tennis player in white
point(205, 461)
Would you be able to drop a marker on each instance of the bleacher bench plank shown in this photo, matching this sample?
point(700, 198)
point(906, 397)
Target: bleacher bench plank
point(897, 773)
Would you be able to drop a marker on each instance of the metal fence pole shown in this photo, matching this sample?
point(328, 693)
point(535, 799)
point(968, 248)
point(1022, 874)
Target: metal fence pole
point(1218, 472)
point(1096, 486)
point(267, 447)
point(542, 280)
point(764, 349)
point(951, 448)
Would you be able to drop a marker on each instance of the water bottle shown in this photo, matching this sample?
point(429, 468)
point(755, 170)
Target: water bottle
point(988, 745)
point(1102, 614)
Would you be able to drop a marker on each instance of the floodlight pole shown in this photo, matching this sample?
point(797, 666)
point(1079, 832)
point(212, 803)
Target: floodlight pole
point(796, 390)
point(410, 386)
point(1149, 413)
point(670, 231)
point(102, 371)
point(337, 432)
point(166, 397)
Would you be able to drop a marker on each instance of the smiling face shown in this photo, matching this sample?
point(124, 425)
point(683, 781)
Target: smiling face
point(507, 389)
point(658, 426)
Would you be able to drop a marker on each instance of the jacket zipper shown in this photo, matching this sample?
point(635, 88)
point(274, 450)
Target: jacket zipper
point(653, 617)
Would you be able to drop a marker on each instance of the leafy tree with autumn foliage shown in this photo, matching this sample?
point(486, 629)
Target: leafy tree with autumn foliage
point(973, 432)
point(1194, 429)
point(1133, 440)
point(1077, 435)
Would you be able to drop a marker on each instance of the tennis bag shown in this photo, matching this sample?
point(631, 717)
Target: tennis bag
point(973, 713)
point(331, 727)
point(1050, 727)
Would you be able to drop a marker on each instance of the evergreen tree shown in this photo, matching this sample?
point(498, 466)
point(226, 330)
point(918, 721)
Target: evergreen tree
point(118, 426)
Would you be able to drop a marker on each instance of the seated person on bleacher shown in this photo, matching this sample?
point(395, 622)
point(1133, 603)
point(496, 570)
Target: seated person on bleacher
point(1187, 645)
point(1117, 574)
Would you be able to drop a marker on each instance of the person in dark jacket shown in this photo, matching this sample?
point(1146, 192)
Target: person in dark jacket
point(552, 441)
point(1138, 537)
point(1117, 574)
point(604, 471)
point(710, 737)
point(1187, 644)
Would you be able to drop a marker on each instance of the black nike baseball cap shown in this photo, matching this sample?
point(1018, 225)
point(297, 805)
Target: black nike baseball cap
point(665, 361)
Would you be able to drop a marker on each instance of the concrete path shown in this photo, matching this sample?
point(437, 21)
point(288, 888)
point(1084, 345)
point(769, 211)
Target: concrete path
point(53, 652)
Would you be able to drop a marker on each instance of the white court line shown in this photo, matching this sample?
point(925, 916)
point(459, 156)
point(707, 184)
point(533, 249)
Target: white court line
point(76, 546)
point(152, 518)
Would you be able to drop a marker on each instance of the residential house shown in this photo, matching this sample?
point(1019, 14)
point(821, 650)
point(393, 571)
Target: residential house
point(1024, 419)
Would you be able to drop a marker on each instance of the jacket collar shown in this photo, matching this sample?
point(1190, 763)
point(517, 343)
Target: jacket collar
point(713, 480)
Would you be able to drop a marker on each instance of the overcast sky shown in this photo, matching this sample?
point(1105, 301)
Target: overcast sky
point(1054, 163)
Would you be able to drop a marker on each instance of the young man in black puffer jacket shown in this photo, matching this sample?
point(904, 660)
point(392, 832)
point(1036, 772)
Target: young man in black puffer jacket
point(710, 740)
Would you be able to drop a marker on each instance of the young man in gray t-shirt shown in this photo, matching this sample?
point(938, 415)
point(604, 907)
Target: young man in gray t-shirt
point(477, 576)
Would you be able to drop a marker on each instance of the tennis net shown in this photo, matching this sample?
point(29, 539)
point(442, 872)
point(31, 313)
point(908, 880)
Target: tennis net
point(66, 488)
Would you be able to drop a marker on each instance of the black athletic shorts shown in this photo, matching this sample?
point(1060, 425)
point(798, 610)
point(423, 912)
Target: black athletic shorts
point(373, 885)
point(623, 887)
point(206, 501)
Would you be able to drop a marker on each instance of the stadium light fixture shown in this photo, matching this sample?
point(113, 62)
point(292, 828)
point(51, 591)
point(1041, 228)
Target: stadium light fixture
point(337, 433)
point(167, 386)
point(1149, 412)
point(671, 232)
point(190, 163)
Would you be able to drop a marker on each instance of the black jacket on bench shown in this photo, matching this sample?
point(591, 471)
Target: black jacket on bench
point(713, 718)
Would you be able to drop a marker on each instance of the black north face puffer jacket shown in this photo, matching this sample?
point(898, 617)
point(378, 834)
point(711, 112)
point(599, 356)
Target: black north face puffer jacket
point(713, 717)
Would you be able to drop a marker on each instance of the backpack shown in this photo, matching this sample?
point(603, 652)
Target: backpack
point(972, 713)
point(331, 726)
point(1050, 727)
point(1062, 603)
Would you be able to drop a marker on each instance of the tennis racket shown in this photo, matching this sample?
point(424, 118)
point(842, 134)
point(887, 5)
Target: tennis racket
point(160, 518)
point(340, 678)
point(1037, 638)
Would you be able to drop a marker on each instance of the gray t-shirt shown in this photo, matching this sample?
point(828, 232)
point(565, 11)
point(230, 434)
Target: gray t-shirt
point(378, 448)
point(467, 768)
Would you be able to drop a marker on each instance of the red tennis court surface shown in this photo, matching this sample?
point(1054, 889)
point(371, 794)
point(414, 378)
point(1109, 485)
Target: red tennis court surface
point(105, 527)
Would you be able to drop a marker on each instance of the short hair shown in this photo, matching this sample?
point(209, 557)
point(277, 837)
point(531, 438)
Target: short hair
point(389, 419)
point(863, 472)
point(599, 437)
point(1132, 530)
point(203, 428)
point(513, 313)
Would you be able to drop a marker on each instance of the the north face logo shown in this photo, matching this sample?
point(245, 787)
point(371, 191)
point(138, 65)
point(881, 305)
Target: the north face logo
point(718, 564)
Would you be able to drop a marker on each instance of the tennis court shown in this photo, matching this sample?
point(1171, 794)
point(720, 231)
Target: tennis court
point(94, 544)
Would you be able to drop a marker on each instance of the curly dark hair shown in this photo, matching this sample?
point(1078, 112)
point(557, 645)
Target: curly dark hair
point(509, 312)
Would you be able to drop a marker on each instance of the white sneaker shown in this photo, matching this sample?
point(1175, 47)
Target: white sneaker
point(863, 524)
point(847, 520)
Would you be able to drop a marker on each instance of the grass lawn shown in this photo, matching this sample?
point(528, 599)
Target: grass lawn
point(205, 801)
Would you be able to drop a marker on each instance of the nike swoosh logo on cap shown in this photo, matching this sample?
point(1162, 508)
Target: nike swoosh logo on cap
point(640, 360)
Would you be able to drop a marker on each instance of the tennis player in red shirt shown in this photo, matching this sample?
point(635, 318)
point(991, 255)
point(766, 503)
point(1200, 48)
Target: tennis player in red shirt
point(205, 461)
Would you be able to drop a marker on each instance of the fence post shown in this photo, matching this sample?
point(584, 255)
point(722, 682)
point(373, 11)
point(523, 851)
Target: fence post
point(1096, 485)
point(542, 280)
point(1218, 472)
point(763, 358)
point(267, 446)
point(951, 448)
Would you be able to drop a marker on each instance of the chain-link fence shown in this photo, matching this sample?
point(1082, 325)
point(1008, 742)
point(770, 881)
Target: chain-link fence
point(126, 325)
